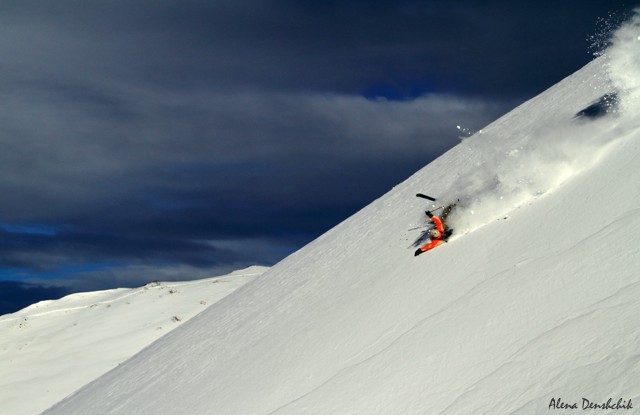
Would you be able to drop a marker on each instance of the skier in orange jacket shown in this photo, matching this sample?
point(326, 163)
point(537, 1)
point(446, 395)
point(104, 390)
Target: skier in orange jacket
point(434, 234)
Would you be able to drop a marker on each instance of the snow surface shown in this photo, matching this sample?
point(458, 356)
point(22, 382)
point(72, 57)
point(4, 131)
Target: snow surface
point(535, 298)
point(52, 348)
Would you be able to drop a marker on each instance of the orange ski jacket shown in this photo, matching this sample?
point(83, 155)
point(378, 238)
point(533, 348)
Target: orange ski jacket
point(434, 242)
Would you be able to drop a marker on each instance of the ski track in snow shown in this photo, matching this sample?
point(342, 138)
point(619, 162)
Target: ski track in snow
point(390, 344)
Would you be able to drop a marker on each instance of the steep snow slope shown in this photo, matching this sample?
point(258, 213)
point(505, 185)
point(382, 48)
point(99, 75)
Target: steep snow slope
point(52, 348)
point(535, 298)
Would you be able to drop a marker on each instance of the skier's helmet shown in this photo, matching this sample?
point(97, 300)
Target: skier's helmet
point(435, 234)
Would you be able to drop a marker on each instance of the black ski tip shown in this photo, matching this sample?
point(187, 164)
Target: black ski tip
point(422, 195)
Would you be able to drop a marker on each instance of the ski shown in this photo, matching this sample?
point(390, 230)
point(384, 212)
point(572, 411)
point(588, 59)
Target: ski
point(422, 195)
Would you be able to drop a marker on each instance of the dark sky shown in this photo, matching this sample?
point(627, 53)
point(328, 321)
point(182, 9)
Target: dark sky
point(160, 139)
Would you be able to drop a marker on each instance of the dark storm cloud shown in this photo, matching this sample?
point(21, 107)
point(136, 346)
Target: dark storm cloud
point(51, 251)
point(201, 135)
point(490, 47)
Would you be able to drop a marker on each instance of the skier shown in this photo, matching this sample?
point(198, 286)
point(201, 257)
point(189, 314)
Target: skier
point(436, 234)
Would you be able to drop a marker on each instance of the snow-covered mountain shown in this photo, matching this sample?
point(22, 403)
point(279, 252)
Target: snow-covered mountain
point(532, 305)
point(52, 348)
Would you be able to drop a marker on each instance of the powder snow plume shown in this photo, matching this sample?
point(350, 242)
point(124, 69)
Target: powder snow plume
point(512, 168)
point(623, 61)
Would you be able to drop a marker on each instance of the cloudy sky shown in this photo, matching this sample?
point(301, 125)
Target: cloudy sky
point(163, 139)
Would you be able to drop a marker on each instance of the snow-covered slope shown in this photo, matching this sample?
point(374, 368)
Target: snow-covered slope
point(536, 297)
point(52, 348)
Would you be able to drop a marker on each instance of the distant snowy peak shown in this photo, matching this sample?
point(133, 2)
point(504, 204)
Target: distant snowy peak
point(105, 297)
point(75, 339)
